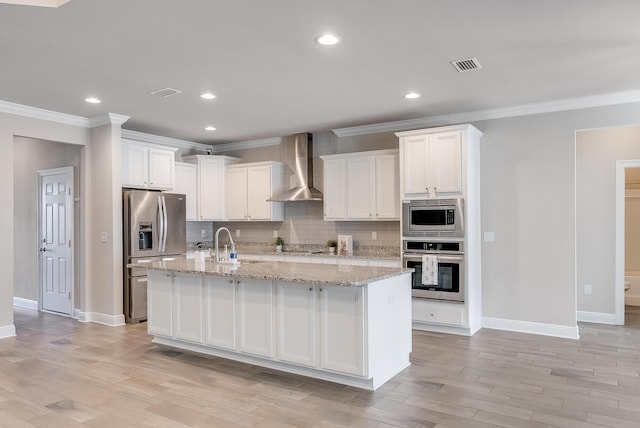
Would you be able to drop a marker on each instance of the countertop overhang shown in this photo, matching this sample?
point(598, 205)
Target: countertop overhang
point(283, 271)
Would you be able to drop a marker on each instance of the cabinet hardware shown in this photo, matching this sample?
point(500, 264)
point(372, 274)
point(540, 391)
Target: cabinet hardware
point(310, 288)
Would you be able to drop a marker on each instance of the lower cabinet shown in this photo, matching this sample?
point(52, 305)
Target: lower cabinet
point(296, 320)
point(220, 312)
point(255, 316)
point(160, 303)
point(325, 318)
point(341, 322)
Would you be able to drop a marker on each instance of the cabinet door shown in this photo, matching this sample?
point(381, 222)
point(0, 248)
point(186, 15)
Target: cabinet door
point(258, 191)
point(255, 317)
point(135, 166)
point(445, 154)
point(296, 321)
point(416, 165)
point(186, 183)
point(210, 189)
point(160, 303)
point(342, 329)
point(187, 291)
point(334, 189)
point(220, 310)
point(360, 188)
point(161, 169)
point(387, 188)
point(236, 194)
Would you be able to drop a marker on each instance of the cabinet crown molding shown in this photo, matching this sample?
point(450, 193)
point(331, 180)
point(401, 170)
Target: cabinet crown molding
point(360, 154)
point(464, 128)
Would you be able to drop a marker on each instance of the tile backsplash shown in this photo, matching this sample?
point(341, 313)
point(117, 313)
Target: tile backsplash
point(303, 224)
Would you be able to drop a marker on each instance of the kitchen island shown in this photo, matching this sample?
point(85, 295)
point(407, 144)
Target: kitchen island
point(346, 324)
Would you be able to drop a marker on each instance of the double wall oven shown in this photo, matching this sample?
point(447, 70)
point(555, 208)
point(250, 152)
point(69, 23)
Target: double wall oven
point(433, 245)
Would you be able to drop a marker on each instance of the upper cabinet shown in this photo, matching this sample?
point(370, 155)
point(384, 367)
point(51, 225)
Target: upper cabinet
point(432, 165)
point(248, 188)
point(187, 183)
point(211, 179)
point(147, 166)
point(361, 186)
point(438, 162)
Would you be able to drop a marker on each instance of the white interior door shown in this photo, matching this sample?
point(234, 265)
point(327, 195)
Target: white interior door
point(56, 220)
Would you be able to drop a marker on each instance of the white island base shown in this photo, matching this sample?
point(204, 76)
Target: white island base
point(354, 335)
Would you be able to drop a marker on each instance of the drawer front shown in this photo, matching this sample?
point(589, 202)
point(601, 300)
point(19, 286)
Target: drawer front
point(438, 312)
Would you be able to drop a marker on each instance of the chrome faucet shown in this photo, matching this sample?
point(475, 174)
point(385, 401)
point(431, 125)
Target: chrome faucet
point(217, 259)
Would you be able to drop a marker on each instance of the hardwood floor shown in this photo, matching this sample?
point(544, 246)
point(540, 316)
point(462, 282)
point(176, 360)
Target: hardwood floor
point(62, 373)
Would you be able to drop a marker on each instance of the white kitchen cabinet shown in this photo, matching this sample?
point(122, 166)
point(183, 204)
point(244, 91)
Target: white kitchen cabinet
point(220, 310)
point(146, 166)
point(341, 320)
point(335, 192)
point(248, 186)
point(361, 186)
point(186, 182)
point(160, 303)
point(210, 185)
point(255, 317)
point(387, 194)
point(187, 295)
point(432, 165)
point(296, 323)
point(434, 312)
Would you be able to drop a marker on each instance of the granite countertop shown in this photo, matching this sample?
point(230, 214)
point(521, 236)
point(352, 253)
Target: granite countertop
point(284, 271)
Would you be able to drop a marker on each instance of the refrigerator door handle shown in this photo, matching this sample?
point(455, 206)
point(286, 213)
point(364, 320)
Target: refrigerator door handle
point(166, 224)
point(160, 224)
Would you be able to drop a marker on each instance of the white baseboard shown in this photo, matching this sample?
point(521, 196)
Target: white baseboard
point(596, 317)
point(25, 303)
point(7, 331)
point(98, 318)
point(567, 332)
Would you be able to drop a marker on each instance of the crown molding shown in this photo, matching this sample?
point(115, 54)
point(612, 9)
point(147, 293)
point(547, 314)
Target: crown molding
point(498, 113)
point(38, 113)
point(265, 142)
point(164, 141)
point(107, 119)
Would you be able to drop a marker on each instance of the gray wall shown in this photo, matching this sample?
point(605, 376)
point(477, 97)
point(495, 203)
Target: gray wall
point(31, 155)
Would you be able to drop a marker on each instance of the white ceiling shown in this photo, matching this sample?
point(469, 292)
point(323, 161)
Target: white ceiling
point(272, 79)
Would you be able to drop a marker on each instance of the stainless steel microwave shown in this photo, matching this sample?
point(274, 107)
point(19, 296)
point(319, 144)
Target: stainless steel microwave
point(433, 217)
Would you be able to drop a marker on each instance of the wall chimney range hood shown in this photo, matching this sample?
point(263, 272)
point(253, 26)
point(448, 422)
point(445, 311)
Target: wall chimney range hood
point(297, 154)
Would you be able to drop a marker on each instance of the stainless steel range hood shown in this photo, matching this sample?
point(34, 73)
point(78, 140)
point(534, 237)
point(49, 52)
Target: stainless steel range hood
point(297, 154)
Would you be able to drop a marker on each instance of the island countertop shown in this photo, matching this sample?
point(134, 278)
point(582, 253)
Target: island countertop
point(283, 271)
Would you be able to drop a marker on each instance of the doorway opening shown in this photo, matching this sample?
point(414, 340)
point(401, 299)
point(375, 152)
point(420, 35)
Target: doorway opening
point(631, 235)
point(32, 156)
point(627, 259)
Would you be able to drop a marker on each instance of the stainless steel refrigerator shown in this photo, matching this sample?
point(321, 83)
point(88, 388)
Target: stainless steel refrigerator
point(154, 229)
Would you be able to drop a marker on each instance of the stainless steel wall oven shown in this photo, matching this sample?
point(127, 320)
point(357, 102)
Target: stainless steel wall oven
point(448, 283)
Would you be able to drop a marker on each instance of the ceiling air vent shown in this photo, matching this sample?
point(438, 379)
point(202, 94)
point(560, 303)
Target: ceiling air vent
point(165, 92)
point(468, 64)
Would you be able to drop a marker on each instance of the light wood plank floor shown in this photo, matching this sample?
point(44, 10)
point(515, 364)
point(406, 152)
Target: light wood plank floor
point(62, 373)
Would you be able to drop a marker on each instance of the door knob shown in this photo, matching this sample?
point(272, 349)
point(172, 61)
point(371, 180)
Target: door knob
point(42, 250)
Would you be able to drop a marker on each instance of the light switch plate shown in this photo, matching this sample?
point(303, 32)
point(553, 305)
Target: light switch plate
point(374, 236)
point(275, 233)
point(237, 232)
point(104, 238)
point(489, 237)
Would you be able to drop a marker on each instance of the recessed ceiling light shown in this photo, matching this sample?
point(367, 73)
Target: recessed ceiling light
point(207, 96)
point(412, 95)
point(210, 128)
point(328, 40)
point(93, 100)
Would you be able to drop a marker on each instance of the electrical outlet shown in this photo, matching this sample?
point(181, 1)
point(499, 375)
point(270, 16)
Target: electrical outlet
point(587, 289)
point(104, 238)
point(237, 233)
point(489, 237)
point(275, 233)
point(374, 236)
point(203, 233)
